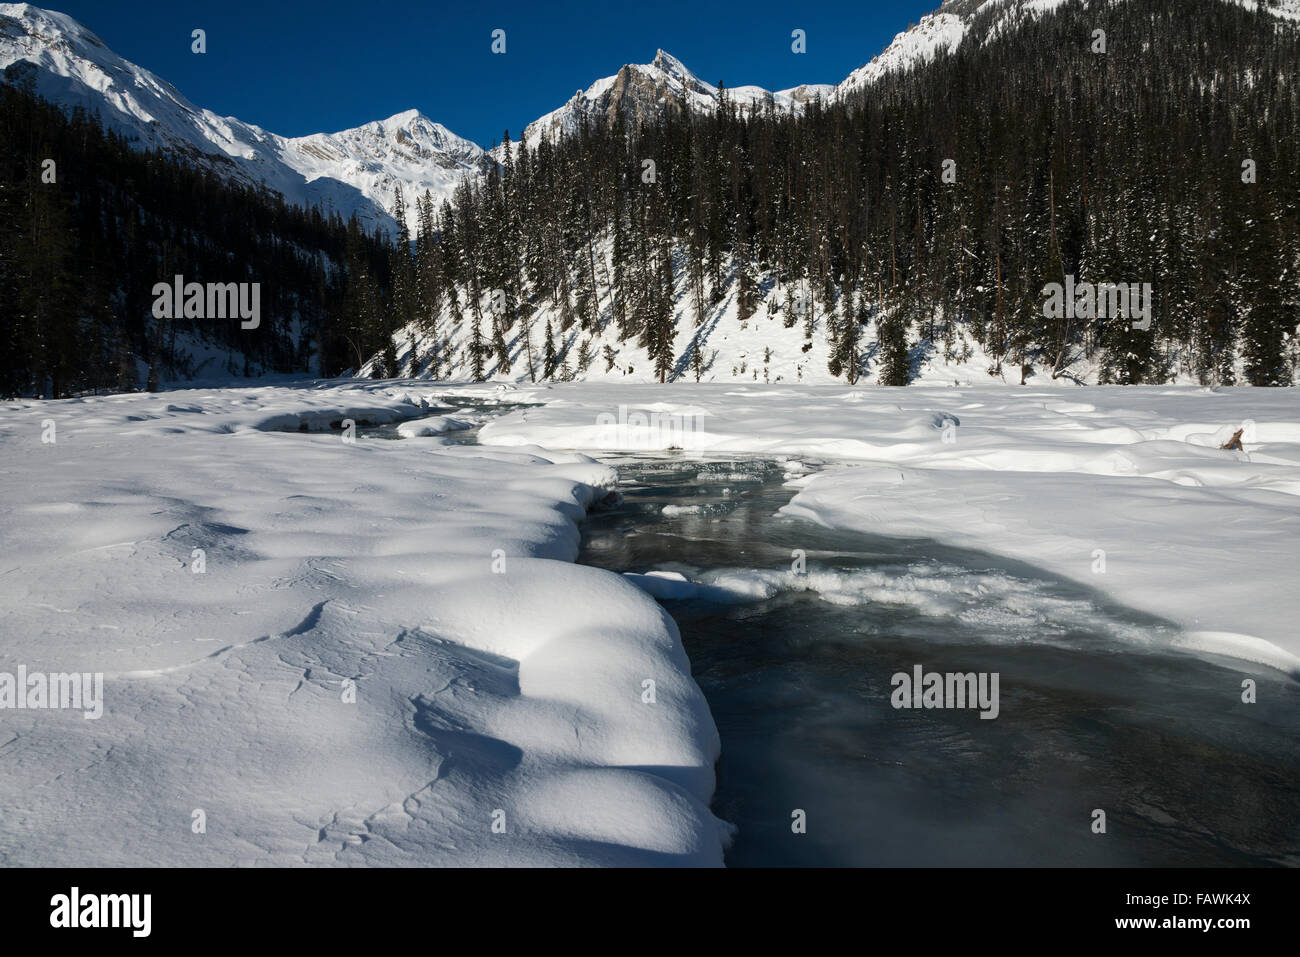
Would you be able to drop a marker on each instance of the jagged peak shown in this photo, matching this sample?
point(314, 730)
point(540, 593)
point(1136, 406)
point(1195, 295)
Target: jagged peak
point(670, 64)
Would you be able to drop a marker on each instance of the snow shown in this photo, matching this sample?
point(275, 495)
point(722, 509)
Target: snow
point(436, 581)
point(806, 92)
point(408, 149)
point(1011, 609)
point(670, 79)
point(945, 29)
point(515, 692)
point(758, 349)
point(354, 171)
point(489, 673)
point(432, 425)
point(936, 33)
point(1203, 538)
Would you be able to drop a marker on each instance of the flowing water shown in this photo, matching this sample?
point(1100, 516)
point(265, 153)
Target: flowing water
point(1096, 711)
point(795, 633)
point(474, 412)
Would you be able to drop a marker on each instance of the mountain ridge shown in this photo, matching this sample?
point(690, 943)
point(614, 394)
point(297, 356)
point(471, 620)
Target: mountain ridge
point(355, 171)
point(665, 82)
point(351, 171)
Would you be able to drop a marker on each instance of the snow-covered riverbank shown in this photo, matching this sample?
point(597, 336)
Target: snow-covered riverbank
point(1121, 489)
point(380, 651)
point(328, 652)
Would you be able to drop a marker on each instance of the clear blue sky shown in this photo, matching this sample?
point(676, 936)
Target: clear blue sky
point(296, 67)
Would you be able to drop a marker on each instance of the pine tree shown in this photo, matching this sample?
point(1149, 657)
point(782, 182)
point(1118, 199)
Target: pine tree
point(549, 359)
point(477, 350)
point(850, 339)
point(1269, 322)
point(747, 289)
point(500, 348)
point(697, 358)
point(896, 366)
point(388, 366)
point(412, 357)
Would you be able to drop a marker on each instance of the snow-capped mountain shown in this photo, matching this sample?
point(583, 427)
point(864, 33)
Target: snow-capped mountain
point(357, 170)
point(408, 149)
point(354, 171)
point(944, 29)
point(936, 32)
point(807, 92)
point(642, 90)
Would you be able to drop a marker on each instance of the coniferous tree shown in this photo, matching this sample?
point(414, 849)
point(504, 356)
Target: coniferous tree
point(1115, 169)
point(549, 357)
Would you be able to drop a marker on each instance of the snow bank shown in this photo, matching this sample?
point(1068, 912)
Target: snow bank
point(1205, 559)
point(433, 425)
point(327, 652)
point(1122, 489)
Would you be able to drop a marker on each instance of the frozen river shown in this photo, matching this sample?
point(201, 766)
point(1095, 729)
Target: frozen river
point(1097, 711)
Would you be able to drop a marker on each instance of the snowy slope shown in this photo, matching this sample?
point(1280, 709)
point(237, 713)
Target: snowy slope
point(387, 651)
point(807, 92)
point(761, 348)
point(945, 29)
point(350, 172)
point(408, 149)
point(1288, 10)
point(935, 33)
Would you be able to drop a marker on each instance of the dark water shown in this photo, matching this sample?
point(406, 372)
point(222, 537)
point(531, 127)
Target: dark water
point(1096, 710)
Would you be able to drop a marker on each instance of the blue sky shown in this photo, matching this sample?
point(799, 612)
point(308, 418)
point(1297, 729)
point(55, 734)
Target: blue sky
point(295, 67)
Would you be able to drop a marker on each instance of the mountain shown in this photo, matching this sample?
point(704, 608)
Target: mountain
point(825, 250)
point(408, 149)
point(644, 90)
point(836, 248)
point(356, 170)
point(944, 29)
point(353, 171)
point(936, 32)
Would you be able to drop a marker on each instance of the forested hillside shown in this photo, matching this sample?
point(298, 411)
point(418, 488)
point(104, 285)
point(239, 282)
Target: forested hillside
point(921, 215)
point(891, 228)
point(89, 225)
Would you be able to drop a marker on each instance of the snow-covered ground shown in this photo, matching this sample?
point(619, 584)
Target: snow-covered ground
point(328, 652)
point(1121, 489)
point(371, 652)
